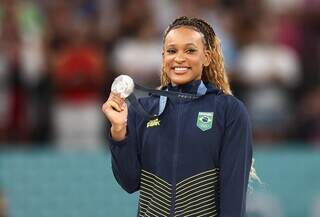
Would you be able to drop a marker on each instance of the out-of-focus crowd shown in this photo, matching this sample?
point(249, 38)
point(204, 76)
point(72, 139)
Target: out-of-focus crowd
point(58, 59)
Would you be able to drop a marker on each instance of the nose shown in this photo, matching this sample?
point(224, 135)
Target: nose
point(179, 58)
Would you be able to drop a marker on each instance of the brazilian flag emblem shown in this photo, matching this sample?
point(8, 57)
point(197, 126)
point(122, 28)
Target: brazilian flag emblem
point(205, 120)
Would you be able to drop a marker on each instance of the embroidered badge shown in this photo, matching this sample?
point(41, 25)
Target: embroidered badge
point(205, 120)
point(153, 123)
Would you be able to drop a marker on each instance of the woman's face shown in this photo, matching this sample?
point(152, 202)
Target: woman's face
point(184, 55)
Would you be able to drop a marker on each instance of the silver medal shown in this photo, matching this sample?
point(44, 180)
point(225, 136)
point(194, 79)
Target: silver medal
point(123, 85)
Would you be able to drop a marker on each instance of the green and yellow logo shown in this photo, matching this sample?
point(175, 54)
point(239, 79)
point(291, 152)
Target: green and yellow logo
point(153, 123)
point(205, 120)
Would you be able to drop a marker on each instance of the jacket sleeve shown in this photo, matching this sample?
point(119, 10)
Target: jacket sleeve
point(235, 161)
point(126, 163)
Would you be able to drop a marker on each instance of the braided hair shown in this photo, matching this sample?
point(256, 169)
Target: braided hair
point(215, 72)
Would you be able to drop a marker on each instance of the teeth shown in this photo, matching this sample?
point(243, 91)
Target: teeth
point(180, 68)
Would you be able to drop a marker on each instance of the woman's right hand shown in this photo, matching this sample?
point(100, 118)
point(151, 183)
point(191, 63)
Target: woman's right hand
point(116, 110)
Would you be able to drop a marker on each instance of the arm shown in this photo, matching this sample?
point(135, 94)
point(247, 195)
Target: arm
point(235, 161)
point(123, 142)
point(126, 164)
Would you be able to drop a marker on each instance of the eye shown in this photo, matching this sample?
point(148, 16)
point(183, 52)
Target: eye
point(170, 51)
point(190, 50)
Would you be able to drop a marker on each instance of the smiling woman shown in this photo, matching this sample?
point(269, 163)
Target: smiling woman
point(214, 72)
point(195, 158)
point(184, 55)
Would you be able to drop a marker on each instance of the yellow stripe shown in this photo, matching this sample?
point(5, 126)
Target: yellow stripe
point(192, 198)
point(155, 209)
point(144, 182)
point(145, 198)
point(192, 214)
point(201, 198)
point(153, 189)
point(199, 174)
point(213, 175)
point(144, 177)
point(161, 180)
point(143, 192)
point(201, 189)
point(147, 215)
point(197, 205)
point(145, 202)
point(179, 186)
point(210, 181)
point(153, 180)
point(205, 214)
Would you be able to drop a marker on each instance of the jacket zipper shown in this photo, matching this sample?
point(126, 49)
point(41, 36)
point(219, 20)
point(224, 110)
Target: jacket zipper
point(175, 162)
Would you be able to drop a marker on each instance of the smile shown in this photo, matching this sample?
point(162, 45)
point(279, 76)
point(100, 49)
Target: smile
point(181, 69)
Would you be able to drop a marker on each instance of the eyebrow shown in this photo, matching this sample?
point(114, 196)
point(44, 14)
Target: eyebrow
point(188, 44)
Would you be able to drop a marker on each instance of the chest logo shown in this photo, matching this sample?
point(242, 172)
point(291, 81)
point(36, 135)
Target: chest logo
point(205, 120)
point(153, 123)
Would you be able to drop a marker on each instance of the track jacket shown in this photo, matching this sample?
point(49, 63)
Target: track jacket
point(194, 160)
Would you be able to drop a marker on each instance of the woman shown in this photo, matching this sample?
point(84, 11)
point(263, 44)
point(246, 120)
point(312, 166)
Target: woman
point(195, 158)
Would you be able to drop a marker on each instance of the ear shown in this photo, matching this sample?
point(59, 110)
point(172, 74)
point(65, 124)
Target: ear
point(162, 54)
point(207, 58)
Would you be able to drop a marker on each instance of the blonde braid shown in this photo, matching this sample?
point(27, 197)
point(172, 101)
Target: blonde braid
point(215, 73)
point(164, 79)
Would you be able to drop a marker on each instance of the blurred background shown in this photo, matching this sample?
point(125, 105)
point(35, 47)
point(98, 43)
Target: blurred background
point(57, 62)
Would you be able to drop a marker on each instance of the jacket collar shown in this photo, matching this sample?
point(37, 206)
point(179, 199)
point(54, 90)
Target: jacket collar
point(192, 87)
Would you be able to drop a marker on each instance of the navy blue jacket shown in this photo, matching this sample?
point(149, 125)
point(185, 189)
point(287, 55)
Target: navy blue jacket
point(187, 163)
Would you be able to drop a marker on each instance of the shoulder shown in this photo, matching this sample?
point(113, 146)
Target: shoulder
point(224, 101)
point(230, 101)
point(231, 106)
